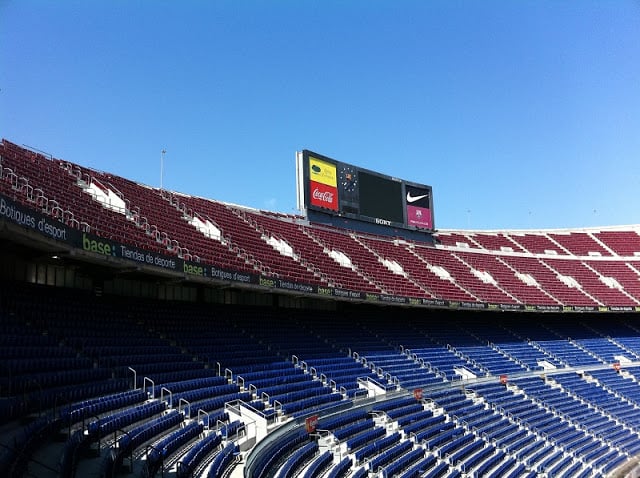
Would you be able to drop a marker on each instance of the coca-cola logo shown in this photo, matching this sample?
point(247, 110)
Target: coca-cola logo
point(324, 196)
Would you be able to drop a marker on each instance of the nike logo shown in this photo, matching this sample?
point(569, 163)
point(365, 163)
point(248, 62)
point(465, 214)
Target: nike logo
point(411, 198)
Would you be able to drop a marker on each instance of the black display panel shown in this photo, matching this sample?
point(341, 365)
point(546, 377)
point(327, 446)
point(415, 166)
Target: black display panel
point(381, 198)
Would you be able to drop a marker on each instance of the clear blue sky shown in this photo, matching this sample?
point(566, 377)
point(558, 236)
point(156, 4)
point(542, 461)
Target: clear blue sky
point(520, 114)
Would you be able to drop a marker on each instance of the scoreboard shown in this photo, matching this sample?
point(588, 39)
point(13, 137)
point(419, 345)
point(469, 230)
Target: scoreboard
point(336, 188)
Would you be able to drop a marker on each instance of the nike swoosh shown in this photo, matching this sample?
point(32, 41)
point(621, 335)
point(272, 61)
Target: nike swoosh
point(411, 198)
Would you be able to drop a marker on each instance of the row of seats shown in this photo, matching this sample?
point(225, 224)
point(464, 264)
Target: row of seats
point(191, 460)
point(169, 444)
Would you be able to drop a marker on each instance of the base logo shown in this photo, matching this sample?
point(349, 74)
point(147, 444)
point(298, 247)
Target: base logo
point(98, 246)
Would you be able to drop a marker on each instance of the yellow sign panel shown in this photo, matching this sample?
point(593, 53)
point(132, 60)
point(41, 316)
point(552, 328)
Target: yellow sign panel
point(322, 172)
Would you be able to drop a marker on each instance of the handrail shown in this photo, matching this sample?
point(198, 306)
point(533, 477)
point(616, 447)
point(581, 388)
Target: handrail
point(135, 378)
point(153, 385)
point(200, 413)
point(170, 402)
point(188, 404)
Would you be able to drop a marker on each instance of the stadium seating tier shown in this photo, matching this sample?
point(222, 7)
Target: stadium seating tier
point(546, 268)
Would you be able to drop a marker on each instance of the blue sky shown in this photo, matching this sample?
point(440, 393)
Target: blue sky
point(520, 114)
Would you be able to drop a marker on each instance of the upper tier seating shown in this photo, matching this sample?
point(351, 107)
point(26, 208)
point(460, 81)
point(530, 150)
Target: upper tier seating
point(624, 243)
point(546, 268)
point(580, 243)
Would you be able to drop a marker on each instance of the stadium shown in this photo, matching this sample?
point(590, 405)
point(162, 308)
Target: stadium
point(148, 332)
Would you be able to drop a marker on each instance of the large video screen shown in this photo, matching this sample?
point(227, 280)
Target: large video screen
point(381, 197)
point(333, 187)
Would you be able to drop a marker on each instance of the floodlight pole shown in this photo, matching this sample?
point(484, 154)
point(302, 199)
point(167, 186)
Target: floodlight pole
point(162, 165)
